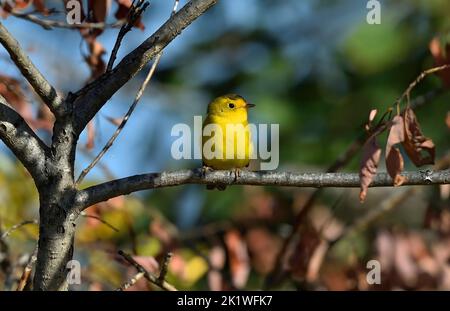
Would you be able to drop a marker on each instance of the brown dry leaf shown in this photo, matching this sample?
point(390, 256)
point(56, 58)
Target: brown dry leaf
point(159, 230)
point(445, 191)
point(394, 159)
point(178, 265)
point(90, 135)
point(422, 255)
point(98, 9)
point(447, 120)
point(404, 263)
point(122, 12)
point(303, 252)
point(238, 258)
point(263, 248)
point(420, 149)
point(394, 166)
point(11, 90)
point(335, 277)
point(94, 210)
point(441, 57)
point(369, 164)
point(97, 12)
point(114, 121)
point(385, 246)
point(40, 7)
point(94, 59)
point(45, 118)
point(18, 5)
point(116, 203)
point(217, 258)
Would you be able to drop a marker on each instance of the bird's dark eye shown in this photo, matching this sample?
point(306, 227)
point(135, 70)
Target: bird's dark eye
point(231, 105)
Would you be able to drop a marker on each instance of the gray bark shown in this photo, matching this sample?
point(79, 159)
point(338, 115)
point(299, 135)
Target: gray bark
point(107, 190)
point(52, 167)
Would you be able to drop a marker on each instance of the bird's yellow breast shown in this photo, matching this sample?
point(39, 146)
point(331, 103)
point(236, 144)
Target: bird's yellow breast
point(235, 135)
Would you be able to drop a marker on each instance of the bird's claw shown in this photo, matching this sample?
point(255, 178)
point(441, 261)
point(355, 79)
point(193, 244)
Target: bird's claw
point(205, 169)
point(237, 174)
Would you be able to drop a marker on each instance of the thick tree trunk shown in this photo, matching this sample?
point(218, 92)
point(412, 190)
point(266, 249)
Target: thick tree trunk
point(56, 237)
point(57, 212)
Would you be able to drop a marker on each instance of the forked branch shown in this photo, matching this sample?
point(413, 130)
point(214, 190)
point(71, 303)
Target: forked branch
point(91, 98)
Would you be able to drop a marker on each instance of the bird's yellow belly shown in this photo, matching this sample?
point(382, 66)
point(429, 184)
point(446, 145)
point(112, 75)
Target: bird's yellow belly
point(240, 154)
point(225, 164)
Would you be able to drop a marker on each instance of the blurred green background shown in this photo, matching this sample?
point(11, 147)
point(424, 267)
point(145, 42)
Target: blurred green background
point(315, 67)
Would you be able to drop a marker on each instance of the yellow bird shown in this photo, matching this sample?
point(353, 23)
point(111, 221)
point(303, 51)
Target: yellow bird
point(227, 118)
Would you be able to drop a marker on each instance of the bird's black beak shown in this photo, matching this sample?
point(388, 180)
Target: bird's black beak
point(248, 105)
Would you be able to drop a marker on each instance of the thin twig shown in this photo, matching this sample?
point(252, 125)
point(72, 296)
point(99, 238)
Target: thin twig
point(341, 162)
point(412, 85)
point(122, 124)
point(49, 24)
point(99, 219)
point(134, 14)
point(18, 226)
point(164, 268)
point(131, 281)
point(104, 168)
point(149, 276)
point(372, 215)
point(27, 271)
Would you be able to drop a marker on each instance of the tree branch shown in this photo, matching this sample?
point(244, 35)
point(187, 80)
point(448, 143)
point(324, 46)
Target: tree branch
point(91, 98)
point(49, 24)
point(111, 189)
point(23, 142)
point(122, 124)
point(134, 14)
point(40, 85)
point(149, 276)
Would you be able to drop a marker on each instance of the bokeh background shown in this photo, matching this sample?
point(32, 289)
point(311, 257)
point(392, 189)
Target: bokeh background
point(314, 67)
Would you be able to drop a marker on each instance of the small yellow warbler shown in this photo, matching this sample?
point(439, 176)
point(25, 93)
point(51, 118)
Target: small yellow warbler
point(227, 117)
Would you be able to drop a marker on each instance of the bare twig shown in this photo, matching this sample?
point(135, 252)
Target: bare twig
point(122, 124)
point(49, 24)
point(41, 86)
point(91, 98)
point(407, 92)
point(134, 14)
point(149, 276)
point(18, 226)
point(341, 161)
point(164, 268)
point(131, 281)
point(27, 271)
point(99, 219)
point(104, 168)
